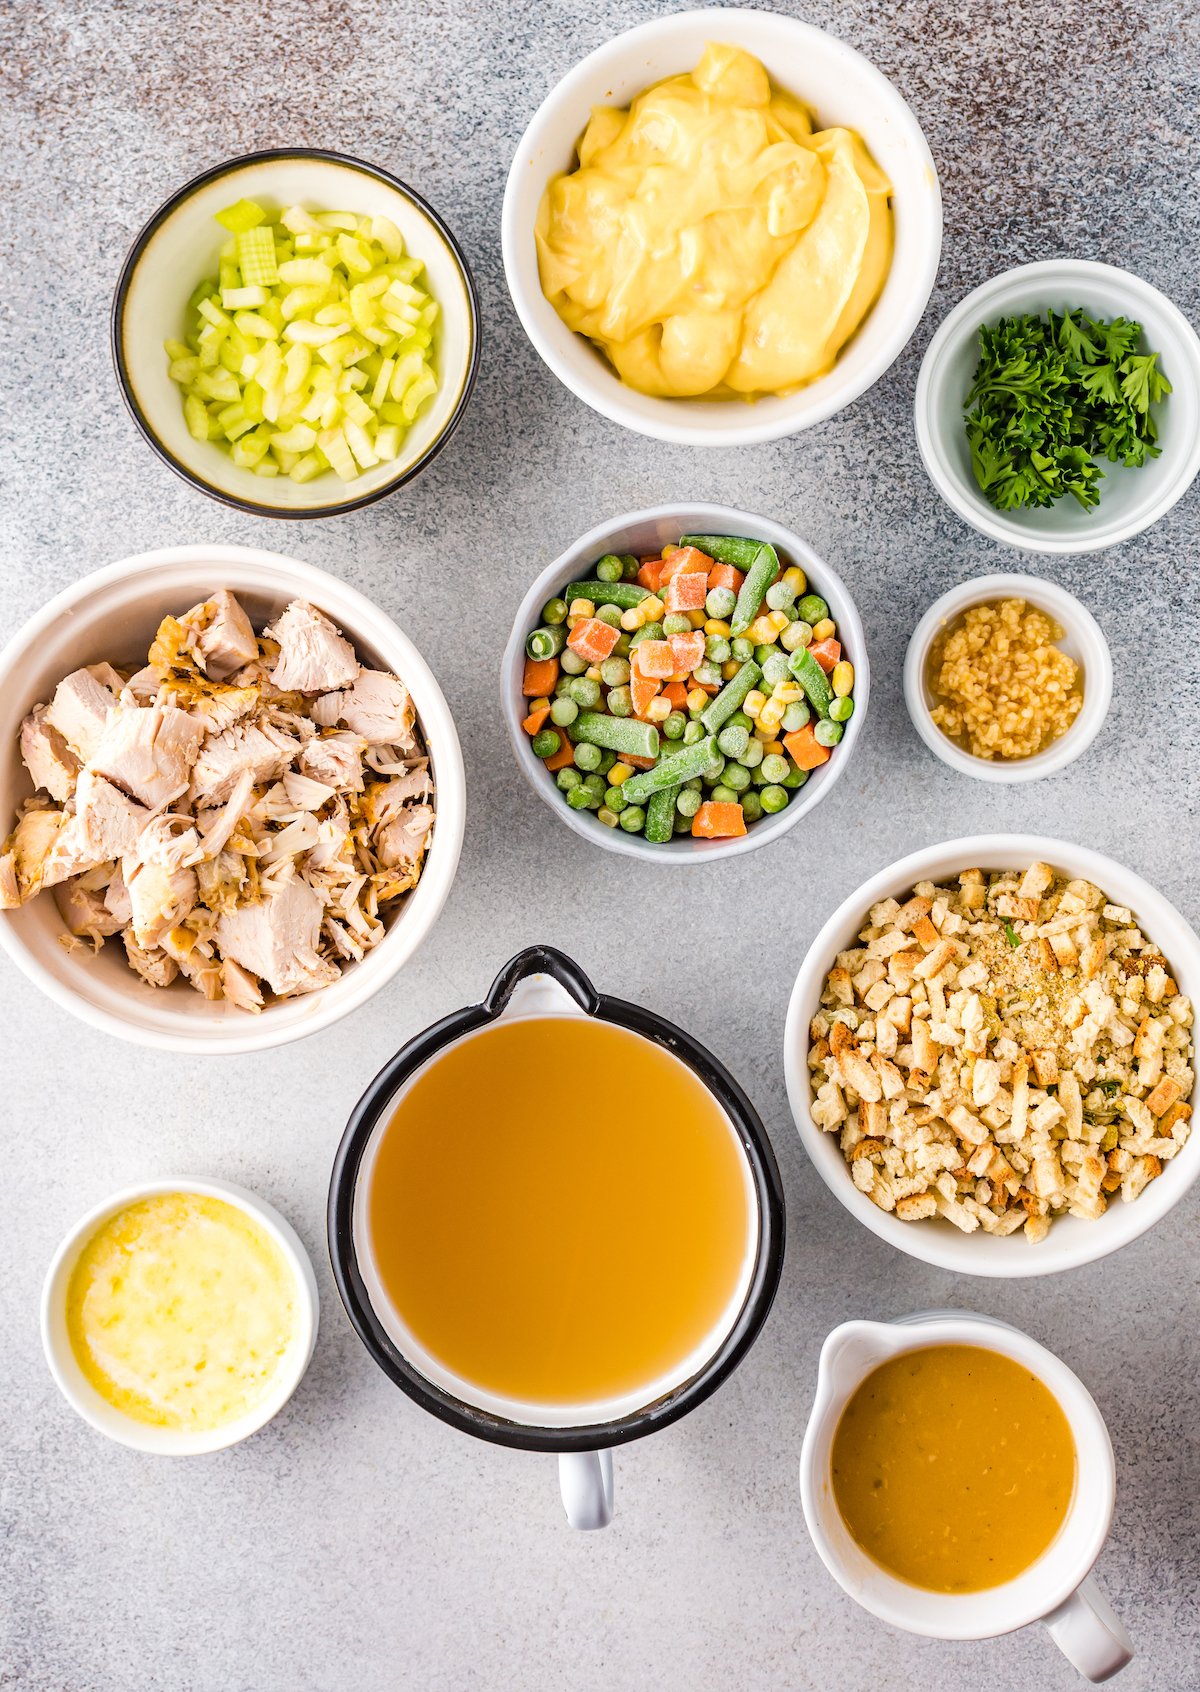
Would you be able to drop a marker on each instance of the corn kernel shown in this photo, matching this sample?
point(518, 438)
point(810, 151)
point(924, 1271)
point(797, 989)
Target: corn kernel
point(542, 704)
point(658, 710)
point(771, 714)
point(631, 619)
point(651, 609)
point(581, 608)
point(696, 619)
point(779, 620)
point(763, 632)
point(787, 692)
point(753, 702)
point(775, 746)
point(593, 672)
point(764, 732)
point(842, 679)
point(718, 626)
point(619, 773)
point(607, 817)
point(697, 699)
point(729, 669)
point(795, 578)
point(825, 629)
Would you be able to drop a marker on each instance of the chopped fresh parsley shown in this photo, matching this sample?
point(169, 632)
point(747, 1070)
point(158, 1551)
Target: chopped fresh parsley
point(1050, 396)
point(1014, 939)
point(1112, 1088)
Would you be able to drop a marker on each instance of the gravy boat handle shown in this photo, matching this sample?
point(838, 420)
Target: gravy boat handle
point(1090, 1634)
point(585, 1479)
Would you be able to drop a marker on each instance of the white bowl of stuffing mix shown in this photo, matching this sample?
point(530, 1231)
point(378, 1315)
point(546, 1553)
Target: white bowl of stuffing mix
point(1008, 678)
point(989, 1055)
point(233, 799)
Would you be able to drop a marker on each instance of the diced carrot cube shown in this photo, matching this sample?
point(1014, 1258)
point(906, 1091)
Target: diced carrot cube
point(541, 677)
point(685, 558)
point(686, 591)
point(675, 693)
point(687, 650)
point(536, 720)
point(638, 763)
point(805, 749)
point(642, 689)
point(593, 639)
point(560, 759)
point(718, 820)
point(650, 573)
point(656, 658)
point(724, 575)
point(826, 653)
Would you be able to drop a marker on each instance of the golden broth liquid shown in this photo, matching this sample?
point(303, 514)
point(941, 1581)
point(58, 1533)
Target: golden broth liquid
point(559, 1211)
point(953, 1467)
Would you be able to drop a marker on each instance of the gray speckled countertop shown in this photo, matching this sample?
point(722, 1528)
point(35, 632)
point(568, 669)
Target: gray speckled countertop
point(356, 1543)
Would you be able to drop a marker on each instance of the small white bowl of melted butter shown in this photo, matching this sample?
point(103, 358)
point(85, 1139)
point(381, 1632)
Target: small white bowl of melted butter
point(178, 1317)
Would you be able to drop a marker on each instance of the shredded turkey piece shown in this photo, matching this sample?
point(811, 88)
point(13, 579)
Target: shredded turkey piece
point(243, 814)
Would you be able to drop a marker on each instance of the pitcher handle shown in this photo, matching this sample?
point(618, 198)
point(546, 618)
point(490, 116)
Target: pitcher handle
point(585, 1479)
point(1090, 1634)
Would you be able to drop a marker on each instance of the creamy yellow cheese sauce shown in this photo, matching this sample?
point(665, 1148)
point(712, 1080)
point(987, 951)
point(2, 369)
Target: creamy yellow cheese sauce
point(180, 1310)
point(709, 242)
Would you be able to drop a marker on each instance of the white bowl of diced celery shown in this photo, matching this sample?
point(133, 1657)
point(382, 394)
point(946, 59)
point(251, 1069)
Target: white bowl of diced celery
point(296, 333)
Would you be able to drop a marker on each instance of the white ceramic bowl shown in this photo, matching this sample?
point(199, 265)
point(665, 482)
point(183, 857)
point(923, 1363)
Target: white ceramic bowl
point(179, 247)
point(1071, 1241)
point(82, 1396)
point(648, 531)
point(113, 614)
point(843, 88)
point(1083, 640)
point(1130, 500)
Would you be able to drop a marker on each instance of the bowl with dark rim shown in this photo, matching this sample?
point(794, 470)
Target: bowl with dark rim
point(542, 976)
point(179, 246)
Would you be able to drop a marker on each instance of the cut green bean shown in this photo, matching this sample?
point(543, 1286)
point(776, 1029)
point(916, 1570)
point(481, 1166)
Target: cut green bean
point(730, 698)
point(673, 770)
point(727, 549)
point(547, 642)
point(624, 594)
point(750, 597)
point(660, 814)
point(812, 679)
point(617, 734)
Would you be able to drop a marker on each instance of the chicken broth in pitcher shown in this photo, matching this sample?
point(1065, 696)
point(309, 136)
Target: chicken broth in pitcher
point(560, 1212)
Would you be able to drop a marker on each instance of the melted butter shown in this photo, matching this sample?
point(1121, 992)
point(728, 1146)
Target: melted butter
point(180, 1310)
point(710, 242)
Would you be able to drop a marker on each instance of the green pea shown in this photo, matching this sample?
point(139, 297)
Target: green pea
point(615, 800)
point(610, 614)
point(621, 649)
point(673, 727)
point(610, 568)
point(717, 648)
point(696, 784)
point(722, 795)
point(795, 716)
point(562, 687)
point(812, 608)
point(762, 653)
point(733, 740)
point(567, 778)
point(796, 777)
point(752, 757)
point(607, 759)
point(708, 673)
point(648, 631)
point(828, 733)
point(791, 613)
point(795, 636)
point(676, 623)
point(693, 732)
point(720, 602)
point(751, 806)
point(774, 768)
point(681, 824)
point(585, 692)
point(587, 757)
point(554, 611)
point(572, 663)
point(780, 596)
point(741, 719)
point(614, 672)
point(775, 667)
point(687, 802)
point(563, 712)
point(546, 744)
point(633, 819)
point(578, 798)
point(841, 710)
point(595, 786)
point(742, 649)
point(736, 776)
point(629, 566)
point(773, 799)
point(620, 702)
point(715, 770)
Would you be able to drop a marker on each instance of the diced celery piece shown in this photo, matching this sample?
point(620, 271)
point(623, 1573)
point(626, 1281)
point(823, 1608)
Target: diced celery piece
point(417, 394)
point(272, 404)
point(340, 220)
point(314, 411)
point(256, 257)
point(177, 349)
point(298, 221)
point(377, 337)
point(212, 313)
point(387, 442)
point(333, 314)
point(339, 350)
point(228, 276)
point(241, 299)
point(299, 439)
point(353, 255)
point(217, 385)
point(184, 370)
point(252, 399)
point(296, 363)
point(266, 468)
point(429, 314)
point(306, 270)
point(306, 468)
point(240, 217)
point(380, 391)
point(311, 334)
point(389, 237)
point(359, 443)
point(195, 415)
point(252, 449)
point(301, 300)
point(331, 412)
point(202, 291)
point(333, 445)
point(391, 412)
point(408, 269)
point(357, 408)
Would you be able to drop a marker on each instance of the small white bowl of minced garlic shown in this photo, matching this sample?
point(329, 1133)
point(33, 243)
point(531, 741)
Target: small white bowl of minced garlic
point(178, 1317)
point(1008, 678)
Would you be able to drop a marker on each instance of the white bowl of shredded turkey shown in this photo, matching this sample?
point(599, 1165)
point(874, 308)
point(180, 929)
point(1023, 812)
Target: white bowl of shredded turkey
point(234, 799)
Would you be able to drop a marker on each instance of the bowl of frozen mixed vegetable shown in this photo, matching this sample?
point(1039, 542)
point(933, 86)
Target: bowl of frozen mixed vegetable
point(685, 683)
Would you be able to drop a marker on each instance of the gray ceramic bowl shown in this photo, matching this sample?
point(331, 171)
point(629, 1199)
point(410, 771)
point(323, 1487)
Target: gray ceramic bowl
point(647, 531)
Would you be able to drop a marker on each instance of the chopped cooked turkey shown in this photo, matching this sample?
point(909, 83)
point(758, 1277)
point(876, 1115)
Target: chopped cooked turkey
point(220, 635)
point(209, 810)
point(377, 707)
point(313, 656)
point(79, 711)
point(48, 758)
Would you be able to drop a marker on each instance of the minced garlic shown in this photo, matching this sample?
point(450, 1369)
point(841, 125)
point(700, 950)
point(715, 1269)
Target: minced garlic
point(1004, 689)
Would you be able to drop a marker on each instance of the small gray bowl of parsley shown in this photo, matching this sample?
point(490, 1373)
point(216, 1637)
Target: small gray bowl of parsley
point(1058, 406)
